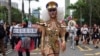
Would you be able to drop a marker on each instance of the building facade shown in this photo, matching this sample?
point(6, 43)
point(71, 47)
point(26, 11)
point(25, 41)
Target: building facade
point(36, 13)
point(67, 3)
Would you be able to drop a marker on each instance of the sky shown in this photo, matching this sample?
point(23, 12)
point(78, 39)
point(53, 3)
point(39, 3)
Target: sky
point(41, 4)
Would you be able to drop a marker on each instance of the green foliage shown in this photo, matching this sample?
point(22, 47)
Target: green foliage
point(15, 14)
point(34, 20)
point(83, 7)
point(72, 6)
point(38, 8)
point(96, 11)
point(66, 16)
point(3, 13)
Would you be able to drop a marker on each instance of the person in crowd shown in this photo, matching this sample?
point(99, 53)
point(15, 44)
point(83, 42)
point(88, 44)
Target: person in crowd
point(2, 35)
point(99, 33)
point(89, 34)
point(96, 36)
point(78, 33)
point(7, 31)
point(99, 28)
point(24, 42)
point(51, 29)
point(84, 31)
point(66, 36)
point(37, 39)
point(12, 38)
point(6, 38)
point(72, 32)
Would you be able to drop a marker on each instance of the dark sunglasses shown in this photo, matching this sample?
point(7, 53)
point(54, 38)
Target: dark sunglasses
point(50, 10)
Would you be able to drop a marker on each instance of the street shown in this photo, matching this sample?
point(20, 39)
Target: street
point(79, 51)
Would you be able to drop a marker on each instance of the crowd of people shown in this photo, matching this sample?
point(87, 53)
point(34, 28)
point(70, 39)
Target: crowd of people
point(6, 39)
point(83, 35)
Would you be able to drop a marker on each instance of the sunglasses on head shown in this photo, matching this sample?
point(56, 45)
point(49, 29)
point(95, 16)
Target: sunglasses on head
point(50, 10)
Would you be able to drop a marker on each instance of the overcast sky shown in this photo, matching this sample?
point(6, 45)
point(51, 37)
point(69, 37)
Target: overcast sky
point(40, 4)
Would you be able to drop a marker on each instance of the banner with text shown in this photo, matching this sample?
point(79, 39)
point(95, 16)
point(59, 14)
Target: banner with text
point(25, 32)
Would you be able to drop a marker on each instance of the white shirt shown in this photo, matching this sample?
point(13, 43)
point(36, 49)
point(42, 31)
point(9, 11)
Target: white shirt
point(14, 26)
point(72, 30)
point(84, 30)
point(11, 27)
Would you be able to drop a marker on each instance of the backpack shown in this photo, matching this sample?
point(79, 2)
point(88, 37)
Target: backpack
point(2, 32)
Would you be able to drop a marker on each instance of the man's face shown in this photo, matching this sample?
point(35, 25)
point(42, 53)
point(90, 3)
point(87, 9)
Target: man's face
point(85, 26)
point(95, 25)
point(52, 12)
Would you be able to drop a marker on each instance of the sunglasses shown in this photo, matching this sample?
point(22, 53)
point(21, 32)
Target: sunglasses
point(51, 10)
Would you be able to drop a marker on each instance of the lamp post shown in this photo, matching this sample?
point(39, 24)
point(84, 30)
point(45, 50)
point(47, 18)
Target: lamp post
point(80, 16)
point(9, 12)
point(90, 14)
point(22, 9)
point(29, 10)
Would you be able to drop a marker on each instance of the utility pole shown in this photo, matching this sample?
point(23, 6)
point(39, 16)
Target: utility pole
point(80, 16)
point(22, 9)
point(29, 10)
point(90, 14)
point(9, 12)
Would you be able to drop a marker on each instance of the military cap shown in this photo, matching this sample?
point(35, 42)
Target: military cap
point(51, 4)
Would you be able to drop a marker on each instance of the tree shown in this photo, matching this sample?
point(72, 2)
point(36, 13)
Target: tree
point(82, 7)
point(15, 13)
point(34, 20)
point(96, 11)
point(78, 7)
point(3, 13)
